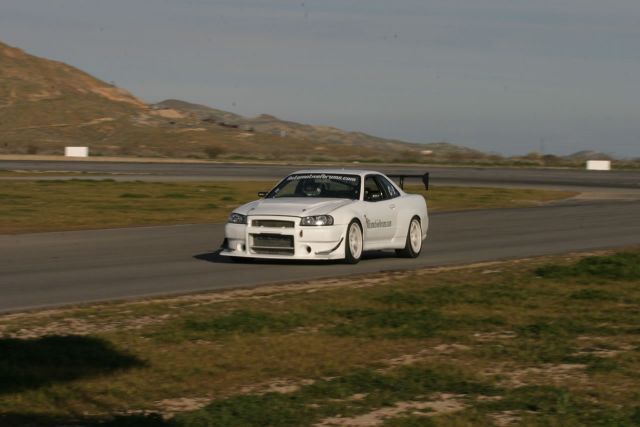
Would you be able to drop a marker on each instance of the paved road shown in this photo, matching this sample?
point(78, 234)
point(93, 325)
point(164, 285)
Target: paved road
point(440, 175)
point(51, 269)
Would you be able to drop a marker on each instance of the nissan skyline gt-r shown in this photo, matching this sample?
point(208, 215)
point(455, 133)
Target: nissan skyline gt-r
point(329, 214)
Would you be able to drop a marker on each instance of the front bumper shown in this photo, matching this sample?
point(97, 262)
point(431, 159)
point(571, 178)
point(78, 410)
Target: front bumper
point(260, 239)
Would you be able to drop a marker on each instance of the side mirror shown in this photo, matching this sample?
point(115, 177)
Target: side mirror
point(262, 194)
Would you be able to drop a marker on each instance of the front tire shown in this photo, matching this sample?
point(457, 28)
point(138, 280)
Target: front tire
point(413, 245)
point(354, 243)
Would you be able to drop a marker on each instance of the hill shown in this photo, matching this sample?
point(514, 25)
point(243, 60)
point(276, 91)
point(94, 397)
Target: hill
point(46, 105)
point(320, 135)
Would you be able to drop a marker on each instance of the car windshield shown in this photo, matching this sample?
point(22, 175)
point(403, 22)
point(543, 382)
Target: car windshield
point(324, 185)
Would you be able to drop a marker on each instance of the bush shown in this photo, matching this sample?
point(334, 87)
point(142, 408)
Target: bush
point(213, 151)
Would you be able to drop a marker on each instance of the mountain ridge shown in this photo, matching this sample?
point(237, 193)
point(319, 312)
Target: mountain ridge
point(46, 105)
point(320, 133)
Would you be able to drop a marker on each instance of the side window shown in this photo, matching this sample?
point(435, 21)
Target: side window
point(372, 190)
point(389, 188)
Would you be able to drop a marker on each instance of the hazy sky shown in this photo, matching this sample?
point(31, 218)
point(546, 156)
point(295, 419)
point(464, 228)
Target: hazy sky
point(507, 76)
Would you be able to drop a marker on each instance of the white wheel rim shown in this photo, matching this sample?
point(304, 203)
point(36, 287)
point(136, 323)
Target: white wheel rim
point(415, 236)
point(355, 241)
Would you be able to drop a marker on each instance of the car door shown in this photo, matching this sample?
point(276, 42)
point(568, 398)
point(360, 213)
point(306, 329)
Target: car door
point(380, 212)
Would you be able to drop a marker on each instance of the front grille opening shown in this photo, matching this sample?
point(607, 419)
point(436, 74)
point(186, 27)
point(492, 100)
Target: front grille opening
point(273, 223)
point(274, 244)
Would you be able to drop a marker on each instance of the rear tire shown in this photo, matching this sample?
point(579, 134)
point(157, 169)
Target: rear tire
point(353, 244)
point(413, 245)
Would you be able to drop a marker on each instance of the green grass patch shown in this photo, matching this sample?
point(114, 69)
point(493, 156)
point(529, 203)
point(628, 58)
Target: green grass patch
point(245, 321)
point(53, 205)
point(593, 294)
point(549, 405)
point(134, 196)
point(390, 323)
point(329, 398)
point(463, 198)
point(619, 266)
point(176, 196)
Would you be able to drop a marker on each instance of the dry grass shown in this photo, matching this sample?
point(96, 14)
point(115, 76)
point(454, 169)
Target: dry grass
point(51, 205)
point(484, 345)
point(465, 198)
point(55, 205)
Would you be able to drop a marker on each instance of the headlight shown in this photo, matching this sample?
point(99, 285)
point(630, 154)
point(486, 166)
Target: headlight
point(236, 218)
point(317, 220)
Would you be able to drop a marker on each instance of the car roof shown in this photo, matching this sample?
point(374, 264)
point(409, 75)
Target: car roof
point(338, 171)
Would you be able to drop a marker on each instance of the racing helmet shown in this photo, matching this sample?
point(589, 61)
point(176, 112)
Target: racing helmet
point(311, 188)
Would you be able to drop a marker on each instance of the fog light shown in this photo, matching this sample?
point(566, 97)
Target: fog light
point(308, 249)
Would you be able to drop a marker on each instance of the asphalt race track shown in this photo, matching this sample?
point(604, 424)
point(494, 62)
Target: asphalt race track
point(439, 175)
point(53, 269)
point(49, 269)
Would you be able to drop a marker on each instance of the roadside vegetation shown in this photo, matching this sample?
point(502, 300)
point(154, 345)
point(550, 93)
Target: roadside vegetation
point(56, 205)
point(551, 341)
point(38, 174)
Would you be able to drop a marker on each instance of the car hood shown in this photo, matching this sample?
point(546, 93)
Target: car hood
point(291, 206)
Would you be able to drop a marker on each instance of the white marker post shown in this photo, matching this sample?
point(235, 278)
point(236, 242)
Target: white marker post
point(599, 165)
point(76, 151)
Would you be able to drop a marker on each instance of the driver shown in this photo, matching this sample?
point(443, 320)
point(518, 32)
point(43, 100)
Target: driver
point(312, 188)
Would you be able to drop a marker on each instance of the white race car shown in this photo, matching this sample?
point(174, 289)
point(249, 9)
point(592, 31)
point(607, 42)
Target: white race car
point(329, 214)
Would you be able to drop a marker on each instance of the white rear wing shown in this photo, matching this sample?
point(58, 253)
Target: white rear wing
point(402, 177)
